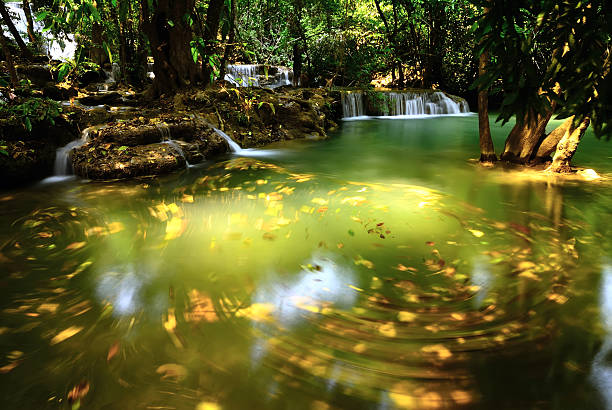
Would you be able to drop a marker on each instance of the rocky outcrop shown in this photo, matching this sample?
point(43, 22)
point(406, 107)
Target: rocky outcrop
point(140, 149)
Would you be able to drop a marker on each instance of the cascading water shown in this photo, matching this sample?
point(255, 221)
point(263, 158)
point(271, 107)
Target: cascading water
point(352, 104)
point(56, 48)
point(63, 164)
point(235, 148)
point(400, 103)
point(164, 130)
point(257, 75)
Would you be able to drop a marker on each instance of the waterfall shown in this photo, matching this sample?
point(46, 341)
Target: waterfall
point(57, 49)
point(382, 104)
point(242, 75)
point(257, 75)
point(235, 148)
point(166, 137)
point(63, 164)
point(352, 104)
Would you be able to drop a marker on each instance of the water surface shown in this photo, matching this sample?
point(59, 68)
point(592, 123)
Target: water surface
point(378, 269)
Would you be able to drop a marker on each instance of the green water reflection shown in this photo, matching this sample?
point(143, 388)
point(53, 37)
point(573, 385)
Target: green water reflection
point(378, 269)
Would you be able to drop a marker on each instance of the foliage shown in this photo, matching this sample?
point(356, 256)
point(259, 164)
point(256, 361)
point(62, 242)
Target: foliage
point(539, 46)
point(31, 111)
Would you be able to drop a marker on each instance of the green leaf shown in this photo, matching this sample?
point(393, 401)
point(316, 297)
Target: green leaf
point(171, 23)
point(122, 148)
point(4, 152)
point(27, 123)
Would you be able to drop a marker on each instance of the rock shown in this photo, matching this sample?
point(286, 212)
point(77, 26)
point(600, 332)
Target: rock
point(91, 76)
point(38, 74)
point(58, 93)
point(101, 99)
point(99, 161)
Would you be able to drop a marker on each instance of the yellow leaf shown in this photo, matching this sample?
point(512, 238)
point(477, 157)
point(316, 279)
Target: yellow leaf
point(75, 245)
point(476, 233)
point(365, 262)
point(406, 316)
point(319, 201)
point(208, 405)
point(172, 371)
point(65, 334)
point(440, 350)
point(387, 329)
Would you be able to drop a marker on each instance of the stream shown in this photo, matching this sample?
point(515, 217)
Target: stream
point(378, 269)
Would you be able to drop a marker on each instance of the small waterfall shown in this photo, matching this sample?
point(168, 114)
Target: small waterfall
point(257, 75)
point(63, 164)
point(352, 104)
point(164, 130)
point(150, 72)
point(57, 49)
point(232, 144)
point(400, 103)
point(242, 75)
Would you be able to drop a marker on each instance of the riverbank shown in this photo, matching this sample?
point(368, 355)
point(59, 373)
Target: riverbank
point(124, 135)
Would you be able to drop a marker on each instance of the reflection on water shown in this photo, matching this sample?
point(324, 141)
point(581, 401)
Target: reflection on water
point(379, 269)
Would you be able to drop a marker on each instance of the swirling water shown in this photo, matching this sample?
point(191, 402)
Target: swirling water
point(377, 269)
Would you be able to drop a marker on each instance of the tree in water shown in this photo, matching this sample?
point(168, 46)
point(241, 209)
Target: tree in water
point(552, 59)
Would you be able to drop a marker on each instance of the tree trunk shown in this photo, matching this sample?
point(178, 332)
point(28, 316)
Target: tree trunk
point(170, 45)
point(487, 149)
point(295, 32)
point(211, 28)
point(25, 52)
point(567, 147)
point(229, 48)
point(549, 144)
point(9, 61)
point(28, 15)
point(524, 138)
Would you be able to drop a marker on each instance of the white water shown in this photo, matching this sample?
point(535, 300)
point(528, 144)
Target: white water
point(58, 49)
point(164, 130)
point(253, 75)
point(352, 104)
point(402, 104)
point(235, 148)
point(63, 164)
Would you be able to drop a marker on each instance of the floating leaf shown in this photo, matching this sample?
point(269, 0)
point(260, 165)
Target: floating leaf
point(476, 233)
point(75, 245)
point(387, 329)
point(66, 334)
point(406, 316)
point(364, 262)
point(440, 350)
point(172, 371)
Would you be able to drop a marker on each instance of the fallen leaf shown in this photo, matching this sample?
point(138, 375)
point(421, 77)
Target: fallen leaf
point(476, 233)
point(75, 245)
point(388, 329)
point(112, 352)
point(172, 371)
point(440, 350)
point(406, 316)
point(66, 334)
point(78, 392)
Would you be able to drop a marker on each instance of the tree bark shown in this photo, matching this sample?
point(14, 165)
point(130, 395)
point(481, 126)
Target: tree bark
point(170, 45)
point(25, 52)
point(524, 138)
point(567, 147)
point(229, 48)
point(487, 149)
point(211, 28)
point(549, 144)
point(28, 14)
point(9, 61)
